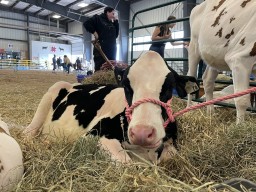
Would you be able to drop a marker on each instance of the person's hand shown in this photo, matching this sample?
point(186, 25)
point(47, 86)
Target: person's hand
point(186, 43)
point(167, 36)
point(115, 17)
point(96, 36)
point(115, 20)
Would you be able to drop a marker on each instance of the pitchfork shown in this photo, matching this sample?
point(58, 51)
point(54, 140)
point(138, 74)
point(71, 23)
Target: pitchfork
point(96, 44)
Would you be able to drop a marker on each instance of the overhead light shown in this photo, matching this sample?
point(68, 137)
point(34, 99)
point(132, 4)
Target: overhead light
point(82, 4)
point(56, 16)
point(4, 2)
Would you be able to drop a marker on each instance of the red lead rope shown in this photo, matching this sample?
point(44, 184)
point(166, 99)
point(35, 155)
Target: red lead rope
point(167, 106)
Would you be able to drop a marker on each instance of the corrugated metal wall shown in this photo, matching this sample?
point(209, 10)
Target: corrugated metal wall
point(154, 16)
point(13, 31)
point(77, 48)
point(11, 45)
point(75, 28)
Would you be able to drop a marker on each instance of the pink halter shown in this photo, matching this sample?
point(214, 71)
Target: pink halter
point(167, 106)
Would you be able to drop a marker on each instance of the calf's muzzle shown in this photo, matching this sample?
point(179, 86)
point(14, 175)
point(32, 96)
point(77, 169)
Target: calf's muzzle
point(142, 135)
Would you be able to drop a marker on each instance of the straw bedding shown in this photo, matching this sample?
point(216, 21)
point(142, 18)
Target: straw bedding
point(211, 149)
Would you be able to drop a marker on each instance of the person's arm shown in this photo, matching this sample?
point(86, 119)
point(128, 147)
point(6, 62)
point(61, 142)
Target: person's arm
point(156, 37)
point(90, 25)
point(177, 42)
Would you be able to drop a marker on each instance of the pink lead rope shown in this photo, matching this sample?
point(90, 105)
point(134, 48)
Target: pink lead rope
point(167, 106)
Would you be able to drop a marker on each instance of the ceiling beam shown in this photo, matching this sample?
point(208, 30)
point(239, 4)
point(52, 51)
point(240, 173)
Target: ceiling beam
point(37, 12)
point(14, 4)
point(51, 14)
point(8, 9)
point(27, 8)
point(13, 10)
point(56, 1)
point(87, 9)
point(75, 2)
point(62, 10)
point(64, 20)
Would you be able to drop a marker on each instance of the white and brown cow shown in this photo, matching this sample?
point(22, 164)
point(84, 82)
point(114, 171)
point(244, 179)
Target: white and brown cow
point(223, 35)
point(70, 111)
point(11, 162)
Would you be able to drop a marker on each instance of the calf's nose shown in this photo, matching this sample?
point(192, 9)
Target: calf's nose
point(142, 135)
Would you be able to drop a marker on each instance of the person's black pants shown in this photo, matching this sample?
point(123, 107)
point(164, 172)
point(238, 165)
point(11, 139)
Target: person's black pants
point(158, 49)
point(108, 50)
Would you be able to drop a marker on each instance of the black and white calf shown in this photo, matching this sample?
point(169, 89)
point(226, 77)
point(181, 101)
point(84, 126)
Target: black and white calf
point(70, 111)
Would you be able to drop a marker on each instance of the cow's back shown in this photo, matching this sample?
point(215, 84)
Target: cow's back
point(223, 28)
point(81, 109)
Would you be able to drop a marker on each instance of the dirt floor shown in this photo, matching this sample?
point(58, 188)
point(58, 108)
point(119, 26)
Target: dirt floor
point(21, 92)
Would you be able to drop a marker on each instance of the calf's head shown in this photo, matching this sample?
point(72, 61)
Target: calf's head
point(150, 77)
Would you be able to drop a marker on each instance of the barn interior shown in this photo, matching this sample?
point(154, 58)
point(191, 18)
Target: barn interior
point(213, 150)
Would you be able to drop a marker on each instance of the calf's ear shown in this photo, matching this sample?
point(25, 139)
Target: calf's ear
point(186, 85)
point(191, 84)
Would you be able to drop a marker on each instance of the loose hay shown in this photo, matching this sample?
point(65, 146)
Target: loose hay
point(101, 77)
point(212, 149)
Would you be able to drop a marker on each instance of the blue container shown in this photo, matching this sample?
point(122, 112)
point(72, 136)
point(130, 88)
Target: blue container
point(80, 78)
point(174, 92)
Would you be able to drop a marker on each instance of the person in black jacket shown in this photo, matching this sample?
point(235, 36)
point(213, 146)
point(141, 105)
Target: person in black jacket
point(105, 28)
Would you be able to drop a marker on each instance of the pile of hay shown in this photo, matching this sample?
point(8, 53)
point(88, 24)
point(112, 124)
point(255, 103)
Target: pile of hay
point(101, 77)
point(211, 150)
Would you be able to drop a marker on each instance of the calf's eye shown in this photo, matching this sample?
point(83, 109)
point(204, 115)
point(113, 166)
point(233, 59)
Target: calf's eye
point(119, 77)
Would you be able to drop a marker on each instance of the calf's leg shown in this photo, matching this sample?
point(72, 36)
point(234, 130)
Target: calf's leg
point(241, 75)
point(209, 78)
point(194, 58)
point(44, 107)
point(115, 149)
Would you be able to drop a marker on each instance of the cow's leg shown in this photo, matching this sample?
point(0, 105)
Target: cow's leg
point(241, 75)
point(44, 108)
point(209, 78)
point(194, 58)
point(115, 148)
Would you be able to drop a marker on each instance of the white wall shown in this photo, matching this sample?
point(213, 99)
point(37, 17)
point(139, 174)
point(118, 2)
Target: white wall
point(44, 51)
point(77, 50)
point(13, 30)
